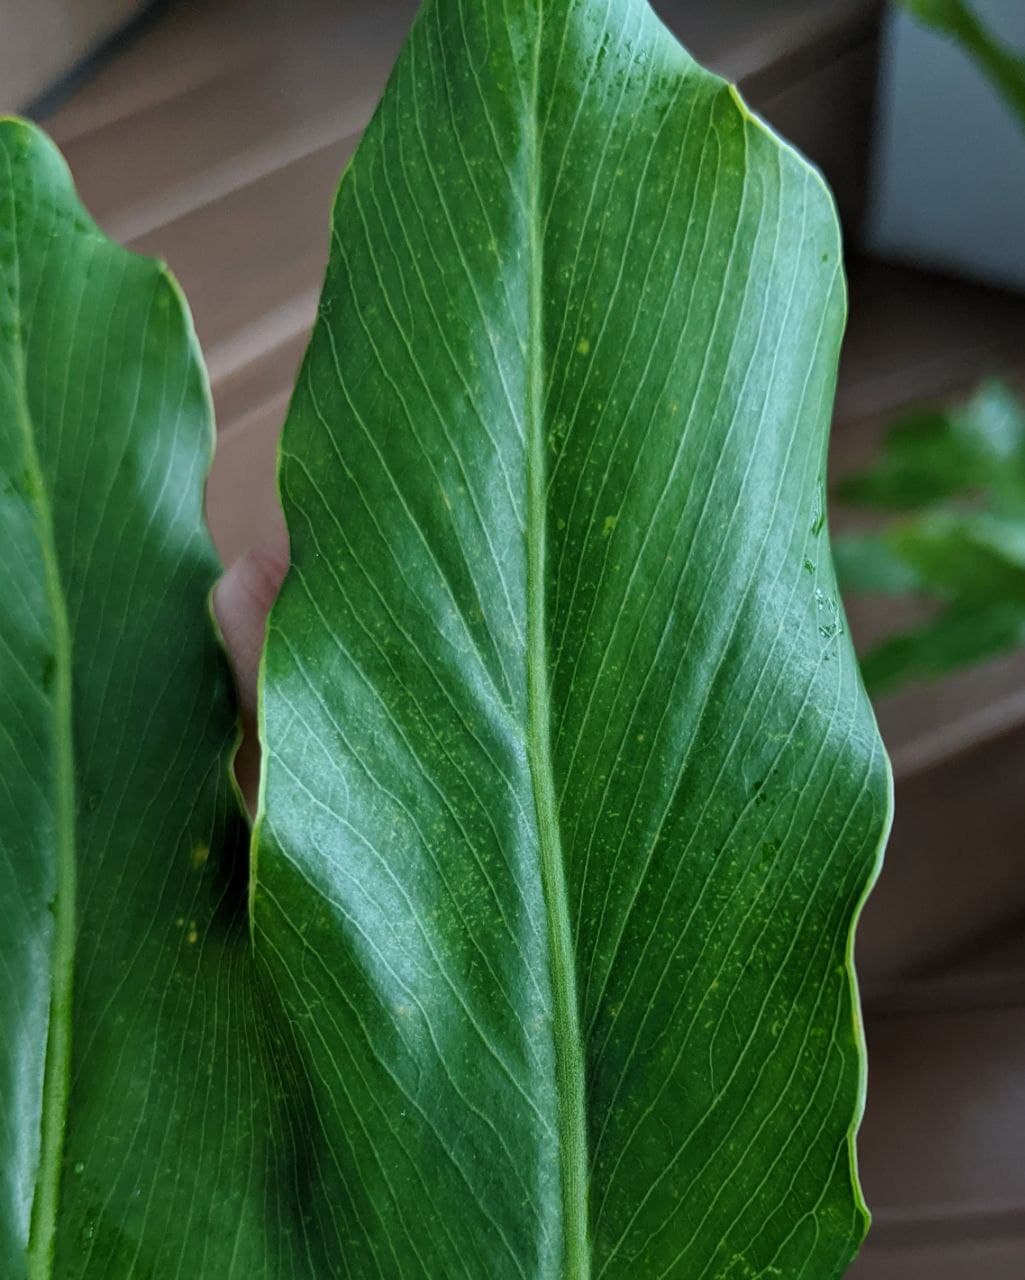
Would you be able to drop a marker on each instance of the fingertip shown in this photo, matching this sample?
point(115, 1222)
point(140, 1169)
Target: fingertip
point(251, 585)
point(242, 600)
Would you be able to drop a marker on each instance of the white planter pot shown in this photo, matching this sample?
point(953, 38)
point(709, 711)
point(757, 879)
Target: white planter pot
point(949, 165)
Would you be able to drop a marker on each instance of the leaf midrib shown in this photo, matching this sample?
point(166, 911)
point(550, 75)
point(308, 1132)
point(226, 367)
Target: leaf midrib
point(58, 1050)
point(43, 1224)
point(569, 1055)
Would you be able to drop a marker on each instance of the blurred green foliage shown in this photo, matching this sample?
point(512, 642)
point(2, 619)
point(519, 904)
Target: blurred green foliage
point(954, 482)
point(954, 478)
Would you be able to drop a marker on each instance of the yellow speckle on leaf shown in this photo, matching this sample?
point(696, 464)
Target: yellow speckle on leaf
point(192, 937)
point(608, 525)
point(583, 346)
point(199, 856)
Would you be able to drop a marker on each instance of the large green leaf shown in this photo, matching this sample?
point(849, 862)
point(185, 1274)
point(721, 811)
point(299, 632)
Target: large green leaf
point(146, 1125)
point(571, 792)
point(564, 731)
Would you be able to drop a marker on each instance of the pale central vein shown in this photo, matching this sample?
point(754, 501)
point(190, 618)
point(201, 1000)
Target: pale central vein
point(569, 1054)
point(58, 1054)
point(43, 1225)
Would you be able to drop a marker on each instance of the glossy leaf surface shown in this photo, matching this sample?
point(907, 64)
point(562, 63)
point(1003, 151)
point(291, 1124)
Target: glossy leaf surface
point(570, 791)
point(143, 1132)
point(564, 729)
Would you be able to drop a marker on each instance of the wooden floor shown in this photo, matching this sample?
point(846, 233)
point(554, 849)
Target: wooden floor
point(215, 141)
